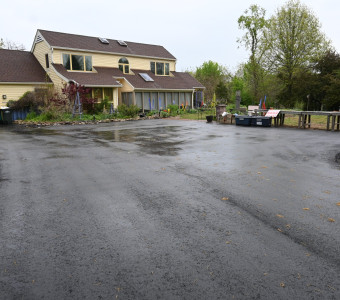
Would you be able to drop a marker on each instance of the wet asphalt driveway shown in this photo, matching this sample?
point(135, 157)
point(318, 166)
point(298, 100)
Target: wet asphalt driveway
point(164, 209)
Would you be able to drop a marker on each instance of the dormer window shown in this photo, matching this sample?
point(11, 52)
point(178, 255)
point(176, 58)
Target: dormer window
point(77, 62)
point(160, 68)
point(123, 64)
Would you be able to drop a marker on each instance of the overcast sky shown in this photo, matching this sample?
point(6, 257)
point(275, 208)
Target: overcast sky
point(194, 31)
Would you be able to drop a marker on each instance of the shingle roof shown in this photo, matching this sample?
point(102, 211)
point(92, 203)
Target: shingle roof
point(179, 81)
point(102, 77)
point(81, 42)
point(21, 67)
point(107, 77)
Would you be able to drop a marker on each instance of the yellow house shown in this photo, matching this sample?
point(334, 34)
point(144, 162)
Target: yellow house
point(19, 72)
point(123, 72)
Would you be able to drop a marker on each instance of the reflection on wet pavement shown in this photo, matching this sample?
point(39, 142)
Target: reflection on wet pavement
point(162, 141)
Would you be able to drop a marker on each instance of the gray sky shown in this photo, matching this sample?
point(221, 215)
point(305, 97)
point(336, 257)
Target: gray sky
point(194, 31)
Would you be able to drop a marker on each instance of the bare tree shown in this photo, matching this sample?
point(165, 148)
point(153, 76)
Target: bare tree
point(11, 45)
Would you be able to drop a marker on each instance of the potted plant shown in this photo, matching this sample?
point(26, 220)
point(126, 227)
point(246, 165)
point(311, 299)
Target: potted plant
point(212, 108)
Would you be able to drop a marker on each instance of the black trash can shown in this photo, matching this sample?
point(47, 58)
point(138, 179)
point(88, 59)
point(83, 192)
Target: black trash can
point(6, 116)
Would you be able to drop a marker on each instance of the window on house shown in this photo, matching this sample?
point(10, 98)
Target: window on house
point(160, 68)
point(98, 93)
point(77, 62)
point(47, 61)
point(88, 63)
point(166, 69)
point(123, 64)
point(153, 67)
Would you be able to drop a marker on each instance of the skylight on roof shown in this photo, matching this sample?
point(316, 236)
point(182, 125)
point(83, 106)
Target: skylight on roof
point(103, 40)
point(146, 77)
point(122, 43)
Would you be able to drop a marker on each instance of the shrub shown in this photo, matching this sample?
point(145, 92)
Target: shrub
point(10, 103)
point(31, 116)
point(164, 114)
point(70, 92)
point(152, 113)
point(100, 107)
point(173, 109)
point(49, 114)
point(128, 111)
point(28, 100)
point(192, 111)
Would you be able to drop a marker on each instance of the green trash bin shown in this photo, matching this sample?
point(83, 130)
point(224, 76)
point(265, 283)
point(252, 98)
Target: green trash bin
point(6, 116)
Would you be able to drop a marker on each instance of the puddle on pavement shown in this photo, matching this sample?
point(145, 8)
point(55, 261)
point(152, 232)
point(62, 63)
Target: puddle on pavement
point(160, 148)
point(257, 138)
point(212, 136)
point(161, 141)
point(37, 131)
point(57, 156)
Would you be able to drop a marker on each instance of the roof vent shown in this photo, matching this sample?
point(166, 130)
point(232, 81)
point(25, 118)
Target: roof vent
point(146, 77)
point(103, 41)
point(122, 43)
point(38, 39)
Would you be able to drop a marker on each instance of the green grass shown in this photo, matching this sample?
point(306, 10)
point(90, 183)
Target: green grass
point(319, 122)
point(198, 115)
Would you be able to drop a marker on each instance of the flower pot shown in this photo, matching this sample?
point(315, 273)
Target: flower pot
point(209, 118)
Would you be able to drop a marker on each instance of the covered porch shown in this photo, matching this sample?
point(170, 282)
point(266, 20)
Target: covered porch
point(108, 94)
point(148, 100)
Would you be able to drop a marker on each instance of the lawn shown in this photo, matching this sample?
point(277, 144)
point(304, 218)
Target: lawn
point(317, 122)
point(199, 115)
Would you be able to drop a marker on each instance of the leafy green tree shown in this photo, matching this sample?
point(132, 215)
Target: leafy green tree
point(223, 91)
point(210, 74)
point(322, 85)
point(254, 22)
point(328, 80)
point(292, 43)
point(239, 83)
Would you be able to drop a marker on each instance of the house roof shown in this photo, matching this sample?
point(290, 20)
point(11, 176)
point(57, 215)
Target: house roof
point(179, 81)
point(21, 67)
point(88, 43)
point(102, 77)
point(108, 77)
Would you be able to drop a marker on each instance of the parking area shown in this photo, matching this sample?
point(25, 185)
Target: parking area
point(169, 209)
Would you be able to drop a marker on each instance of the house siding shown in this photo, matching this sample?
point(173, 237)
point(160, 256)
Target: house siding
point(57, 81)
point(39, 52)
point(111, 60)
point(14, 91)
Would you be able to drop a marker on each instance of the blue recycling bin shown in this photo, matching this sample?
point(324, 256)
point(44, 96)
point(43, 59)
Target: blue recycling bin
point(261, 121)
point(243, 120)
